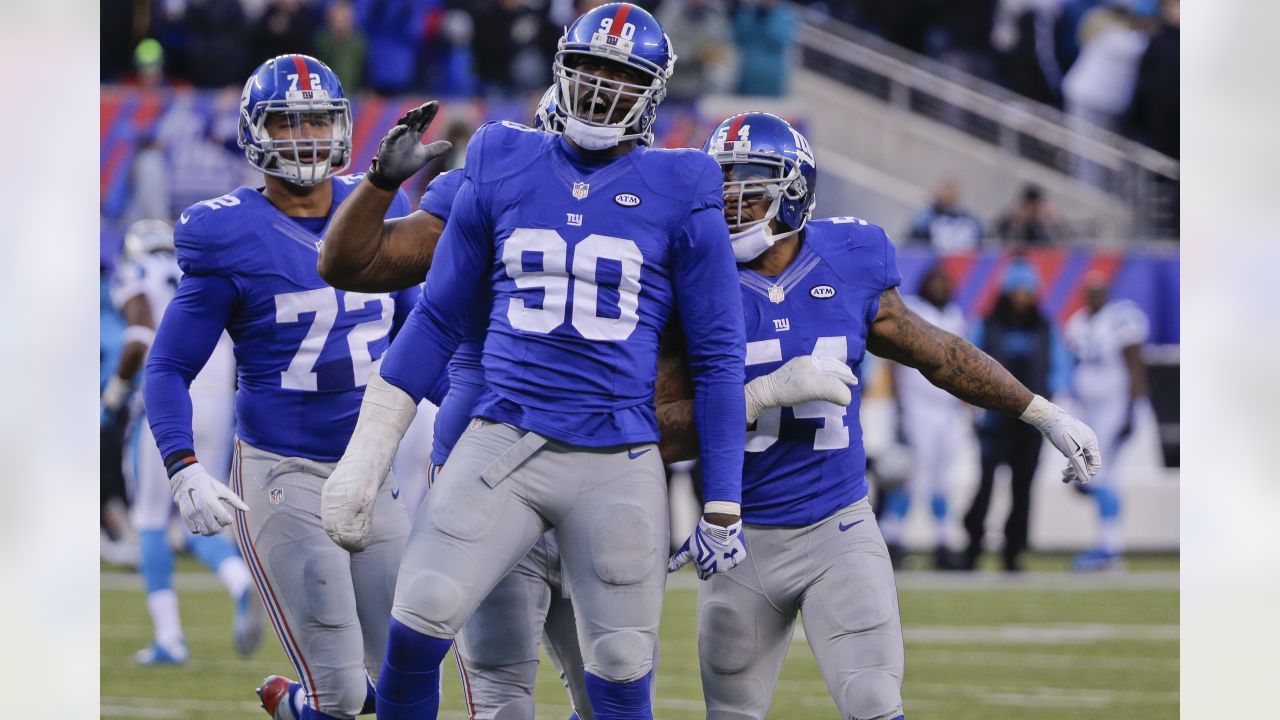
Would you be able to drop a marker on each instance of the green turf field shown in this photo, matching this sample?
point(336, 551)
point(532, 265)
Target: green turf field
point(1047, 645)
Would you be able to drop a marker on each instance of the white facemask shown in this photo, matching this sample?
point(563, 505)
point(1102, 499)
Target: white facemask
point(591, 137)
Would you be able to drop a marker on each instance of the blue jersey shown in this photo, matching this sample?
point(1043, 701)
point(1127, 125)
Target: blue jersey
point(577, 264)
point(466, 375)
point(806, 462)
point(303, 350)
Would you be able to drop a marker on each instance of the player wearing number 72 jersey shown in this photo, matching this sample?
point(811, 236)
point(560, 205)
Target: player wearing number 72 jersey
point(826, 287)
point(304, 352)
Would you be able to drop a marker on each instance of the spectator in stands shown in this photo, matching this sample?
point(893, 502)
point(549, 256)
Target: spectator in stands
point(764, 30)
point(699, 29)
point(1023, 34)
point(1022, 339)
point(945, 226)
point(1031, 221)
point(394, 32)
point(512, 52)
point(217, 47)
point(962, 37)
point(1153, 115)
point(285, 27)
point(1100, 85)
point(341, 45)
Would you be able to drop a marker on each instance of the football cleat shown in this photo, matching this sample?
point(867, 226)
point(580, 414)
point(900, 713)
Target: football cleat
point(158, 654)
point(1097, 560)
point(275, 696)
point(247, 626)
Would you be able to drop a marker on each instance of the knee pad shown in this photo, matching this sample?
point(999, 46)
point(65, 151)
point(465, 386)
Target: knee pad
point(155, 559)
point(726, 638)
point(871, 695)
point(623, 549)
point(431, 601)
point(622, 656)
point(348, 700)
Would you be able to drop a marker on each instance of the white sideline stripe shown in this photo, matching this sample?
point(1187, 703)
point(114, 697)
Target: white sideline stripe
point(1043, 696)
point(907, 580)
point(1042, 661)
point(1046, 634)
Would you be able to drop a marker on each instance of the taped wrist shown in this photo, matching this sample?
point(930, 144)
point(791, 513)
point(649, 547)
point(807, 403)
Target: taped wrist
point(1039, 412)
point(385, 415)
point(758, 395)
point(722, 507)
point(377, 180)
point(177, 460)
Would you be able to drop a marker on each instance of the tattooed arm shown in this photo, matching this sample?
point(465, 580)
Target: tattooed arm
point(949, 362)
point(674, 400)
point(364, 252)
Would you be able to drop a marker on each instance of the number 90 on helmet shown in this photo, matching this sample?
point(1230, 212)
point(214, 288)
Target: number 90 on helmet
point(763, 154)
point(295, 121)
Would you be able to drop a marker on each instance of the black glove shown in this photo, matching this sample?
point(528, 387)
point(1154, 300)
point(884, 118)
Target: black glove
point(401, 152)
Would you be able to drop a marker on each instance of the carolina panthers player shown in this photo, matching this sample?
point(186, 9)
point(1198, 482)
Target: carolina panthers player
point(142, 288)
point(303, 353)
point(565, 431)
point(826, 287)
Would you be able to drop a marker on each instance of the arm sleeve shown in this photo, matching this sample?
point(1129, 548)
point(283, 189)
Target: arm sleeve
point(710, 306)
point(417, 359)
point(190, 330)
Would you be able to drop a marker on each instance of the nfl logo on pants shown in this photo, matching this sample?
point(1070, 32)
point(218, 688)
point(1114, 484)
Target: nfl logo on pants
point(580, 190)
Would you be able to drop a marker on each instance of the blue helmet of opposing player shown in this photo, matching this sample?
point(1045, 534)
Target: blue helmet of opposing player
point(600, 112)
point(295, 121)
point(763, 156)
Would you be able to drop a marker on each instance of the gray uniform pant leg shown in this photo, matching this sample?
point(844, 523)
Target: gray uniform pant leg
point(850, 610)
point(330, 608)
point(502, 488)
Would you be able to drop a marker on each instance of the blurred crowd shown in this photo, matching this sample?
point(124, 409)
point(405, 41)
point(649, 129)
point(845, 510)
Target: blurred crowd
point(449, 48)
point(946, 226)
point(1112, 63)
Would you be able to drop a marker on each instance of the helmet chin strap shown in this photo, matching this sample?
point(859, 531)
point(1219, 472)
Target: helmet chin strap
point(591, 137)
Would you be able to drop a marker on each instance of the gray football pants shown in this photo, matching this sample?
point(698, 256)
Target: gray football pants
point(836, 573)
point(504, 487)
point(331, 609)
point(497, 650)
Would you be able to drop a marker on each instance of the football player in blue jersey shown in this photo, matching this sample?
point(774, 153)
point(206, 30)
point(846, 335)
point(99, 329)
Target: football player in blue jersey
point(572, 251)
point(825, 287)
point(304, 351)
point(498, 647)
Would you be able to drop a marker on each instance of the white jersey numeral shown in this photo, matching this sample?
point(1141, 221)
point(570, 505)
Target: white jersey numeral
point(553, 278)
point(323, 303)
point(834, 434)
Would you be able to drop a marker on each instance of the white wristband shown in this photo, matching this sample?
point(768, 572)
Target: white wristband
point(722, 507)
point(139, 334)
point(1039, 411)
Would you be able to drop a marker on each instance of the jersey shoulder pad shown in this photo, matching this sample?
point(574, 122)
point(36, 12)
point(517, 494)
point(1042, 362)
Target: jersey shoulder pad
point(681, 173)
point(501, 149)
point(205, 232)
point(859, 252)
point(438, 198)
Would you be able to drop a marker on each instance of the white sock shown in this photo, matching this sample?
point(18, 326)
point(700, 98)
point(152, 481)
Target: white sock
point(235, 577)
point(1110, 535)
point(163, 605)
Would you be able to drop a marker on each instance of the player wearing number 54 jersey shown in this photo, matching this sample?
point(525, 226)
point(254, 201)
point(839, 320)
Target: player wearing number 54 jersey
point(827, 288)
point(573, 251)
point(304, 352)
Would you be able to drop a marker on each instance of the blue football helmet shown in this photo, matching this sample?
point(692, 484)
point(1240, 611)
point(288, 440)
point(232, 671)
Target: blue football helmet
point(547, 117)
point(309, 139)
point(762, 154)
point(622, 33)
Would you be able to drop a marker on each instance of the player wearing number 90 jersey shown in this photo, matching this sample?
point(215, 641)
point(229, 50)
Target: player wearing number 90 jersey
point(304, 352)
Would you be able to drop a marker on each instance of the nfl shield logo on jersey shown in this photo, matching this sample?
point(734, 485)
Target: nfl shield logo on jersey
point(777, 294)
point(276, 496)
point(580, 190)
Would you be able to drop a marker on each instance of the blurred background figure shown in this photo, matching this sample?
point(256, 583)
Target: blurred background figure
point(286, 26)
point(148, 64)
point(700, 31)
point(764, 30)
point(944, 226)
point(1022, 339)
point(931, 421)
point(341, 45)
point(1109, 384)
point(1031, 221)
point(1099, 86)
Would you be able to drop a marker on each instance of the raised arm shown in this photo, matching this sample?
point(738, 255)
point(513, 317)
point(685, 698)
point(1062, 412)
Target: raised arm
point(362, 250)
point(955, 365)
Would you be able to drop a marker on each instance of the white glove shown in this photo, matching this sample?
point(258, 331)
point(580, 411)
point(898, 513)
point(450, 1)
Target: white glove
point(1073, 438)
point(801, 379)
point(346, 502)
point(114, 394)
point(712, 548)
point(200, 499)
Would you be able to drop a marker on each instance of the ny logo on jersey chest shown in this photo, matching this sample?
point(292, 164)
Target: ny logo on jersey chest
point(781, 324)
point(575, 219)
point(580, 190)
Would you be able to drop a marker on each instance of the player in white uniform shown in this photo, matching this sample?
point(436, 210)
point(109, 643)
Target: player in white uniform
point(1108, 383)
point(142, 288)
point(931, 420)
